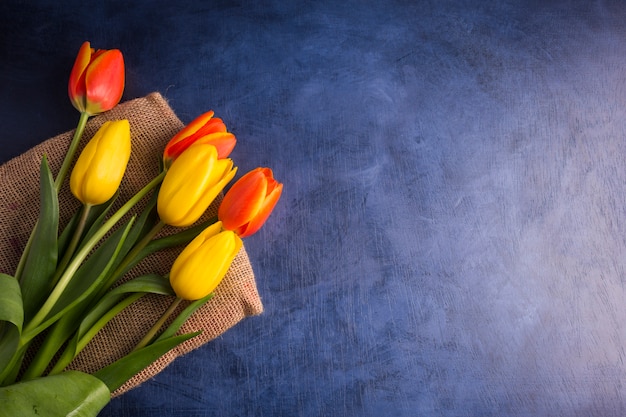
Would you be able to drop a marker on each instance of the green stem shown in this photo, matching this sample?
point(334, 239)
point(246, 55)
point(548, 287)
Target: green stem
point(80, 227)
point(157, 326)
point(84, 251)
point(69, 156)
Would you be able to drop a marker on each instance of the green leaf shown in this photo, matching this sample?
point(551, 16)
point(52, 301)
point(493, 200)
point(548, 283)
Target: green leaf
point(11, 320)
point(11, 309)
point(70, 393)
point(152, 283)
point(41, 260)
point(10, 356)
point(116, 374)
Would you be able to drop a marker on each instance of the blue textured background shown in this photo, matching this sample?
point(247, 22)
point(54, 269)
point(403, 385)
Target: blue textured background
point(451, 237)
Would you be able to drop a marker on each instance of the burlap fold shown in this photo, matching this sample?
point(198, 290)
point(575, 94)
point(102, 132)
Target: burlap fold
point(152, 124)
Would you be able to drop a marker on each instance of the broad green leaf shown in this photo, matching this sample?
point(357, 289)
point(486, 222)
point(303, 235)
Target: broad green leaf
point(11, 320)
point(116, 374)
point(11, 309)
point(152, 283)
point(10, 355)
point(70, 393)
point(54, 339)
point(41, 260)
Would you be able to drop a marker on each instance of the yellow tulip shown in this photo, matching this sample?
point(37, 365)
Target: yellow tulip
point(101, 165)
point(202, 265)
point(191, 184)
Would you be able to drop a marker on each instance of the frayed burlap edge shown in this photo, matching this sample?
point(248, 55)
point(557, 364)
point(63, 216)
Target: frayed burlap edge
point(152, 124)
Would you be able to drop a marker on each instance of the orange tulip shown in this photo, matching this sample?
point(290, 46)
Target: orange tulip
point(204, 129)
point(249, 202)
point(97, 80)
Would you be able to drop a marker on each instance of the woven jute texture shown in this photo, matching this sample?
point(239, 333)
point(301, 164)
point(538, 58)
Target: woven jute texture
point(152, 124)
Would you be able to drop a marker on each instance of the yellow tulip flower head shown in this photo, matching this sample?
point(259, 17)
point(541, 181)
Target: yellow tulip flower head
point(191, 184)
point(202, 265)
point(101, 165)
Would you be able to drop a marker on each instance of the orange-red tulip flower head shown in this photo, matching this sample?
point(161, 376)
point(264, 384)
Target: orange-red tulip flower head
point(203, 129)
point(249, 202)
point(97, 79)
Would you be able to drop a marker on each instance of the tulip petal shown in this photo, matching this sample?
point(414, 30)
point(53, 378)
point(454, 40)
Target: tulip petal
point(203, 129)
point(243, 200)
point(191, 184)
point(100, 167)
point(104, 81)
point(224, 142)
point(264, 212)
point(200, 268)
point(187, 131)
point(76, 84)
point(198, 241)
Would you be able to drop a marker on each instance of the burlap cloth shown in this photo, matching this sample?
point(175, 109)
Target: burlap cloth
point(152, 124)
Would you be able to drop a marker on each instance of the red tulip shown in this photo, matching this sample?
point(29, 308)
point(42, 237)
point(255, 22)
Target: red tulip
point(97, 79)
point(204, 129)
point(249, 202)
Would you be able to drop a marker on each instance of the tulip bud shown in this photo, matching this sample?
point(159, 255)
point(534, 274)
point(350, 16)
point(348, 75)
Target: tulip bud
point(97, 79)
point(191, 184)
point(202, 265)
point(249, 202)
point(101, 165)
point(204, 129)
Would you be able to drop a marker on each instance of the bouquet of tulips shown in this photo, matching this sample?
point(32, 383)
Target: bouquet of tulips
point(70, 283)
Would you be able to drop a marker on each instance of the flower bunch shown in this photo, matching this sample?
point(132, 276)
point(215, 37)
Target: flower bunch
point(70, 281)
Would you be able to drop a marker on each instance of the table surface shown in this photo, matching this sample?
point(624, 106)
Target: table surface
point(451, 236)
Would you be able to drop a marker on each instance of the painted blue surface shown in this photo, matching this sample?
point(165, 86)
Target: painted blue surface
point(451, 236)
